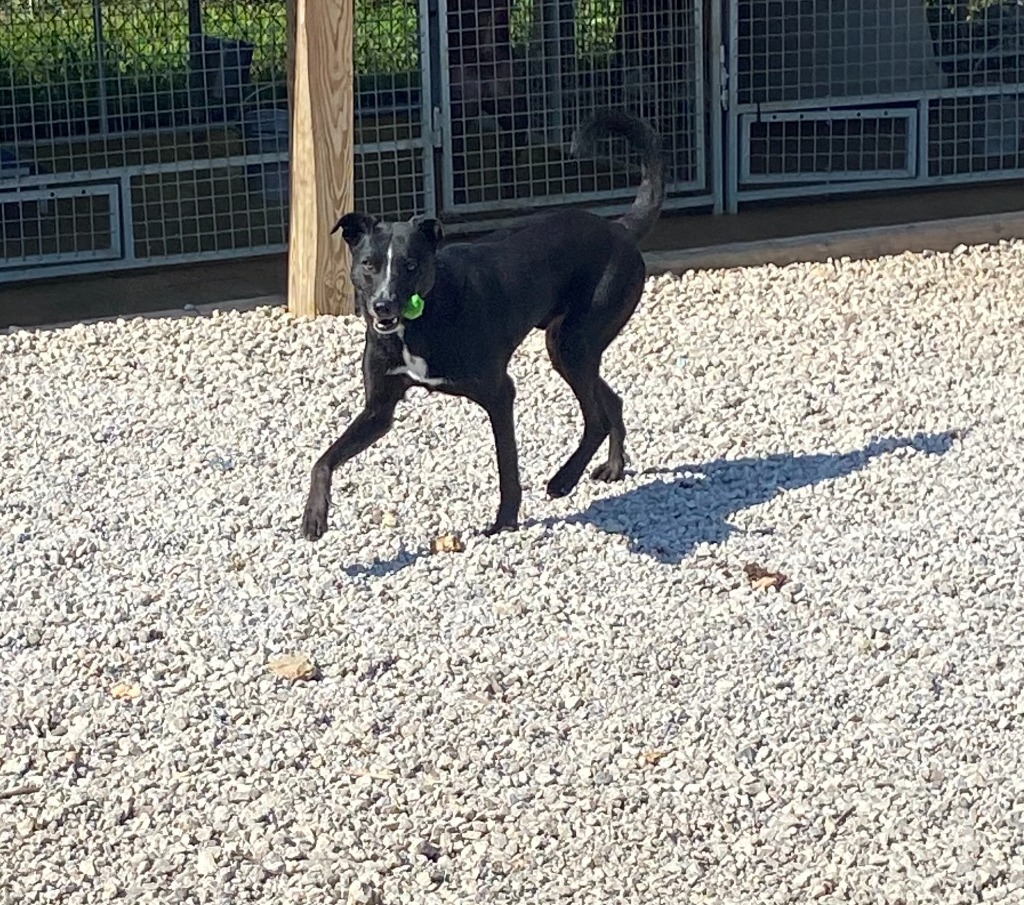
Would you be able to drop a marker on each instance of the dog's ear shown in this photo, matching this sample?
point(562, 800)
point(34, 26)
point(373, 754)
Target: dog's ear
point(354, 226)
point(430, 228)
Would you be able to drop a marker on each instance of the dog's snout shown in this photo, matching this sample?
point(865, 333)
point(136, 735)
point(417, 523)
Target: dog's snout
point(382, 307)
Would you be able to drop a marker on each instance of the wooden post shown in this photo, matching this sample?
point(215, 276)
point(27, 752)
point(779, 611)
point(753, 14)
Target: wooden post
point(320, 71)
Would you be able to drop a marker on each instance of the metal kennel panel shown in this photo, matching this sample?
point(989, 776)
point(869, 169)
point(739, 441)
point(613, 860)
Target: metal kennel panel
point(394, 140)
point(181, 103)
point(857, 95)
point(518, 76)
point(828, 144)
point(31, 221)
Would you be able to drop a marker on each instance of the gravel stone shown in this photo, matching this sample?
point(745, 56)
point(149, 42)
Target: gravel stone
point(206, 863)
point(599, 707)
point(360, 893)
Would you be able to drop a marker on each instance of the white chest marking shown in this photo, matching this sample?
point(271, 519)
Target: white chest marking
point(415, 367)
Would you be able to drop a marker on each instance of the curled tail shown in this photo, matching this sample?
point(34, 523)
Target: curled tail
point(646, 207)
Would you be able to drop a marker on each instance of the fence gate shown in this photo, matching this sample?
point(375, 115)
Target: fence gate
point(143, 132)
point(518, 76)
point(394, 109)
point(140, 132)
point(868, 94)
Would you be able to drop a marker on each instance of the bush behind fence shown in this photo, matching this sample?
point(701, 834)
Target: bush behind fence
point(50, 82)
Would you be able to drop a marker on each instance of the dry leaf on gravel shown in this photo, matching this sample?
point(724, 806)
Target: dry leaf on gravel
point(762, 578)
point(294, 667)
point(125, 691)
point(653, 757)
point(447, 543)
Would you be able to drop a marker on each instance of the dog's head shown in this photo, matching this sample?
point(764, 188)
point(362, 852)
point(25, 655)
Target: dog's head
point(391, 262)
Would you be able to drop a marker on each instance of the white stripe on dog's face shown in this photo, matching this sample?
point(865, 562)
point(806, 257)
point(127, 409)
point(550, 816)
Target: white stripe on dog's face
point(385, 285)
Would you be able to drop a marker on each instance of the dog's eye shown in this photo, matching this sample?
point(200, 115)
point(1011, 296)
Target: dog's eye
point(366, 263)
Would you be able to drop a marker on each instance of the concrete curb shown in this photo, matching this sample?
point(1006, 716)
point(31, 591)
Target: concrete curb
point(869, 242)
point(248, 304)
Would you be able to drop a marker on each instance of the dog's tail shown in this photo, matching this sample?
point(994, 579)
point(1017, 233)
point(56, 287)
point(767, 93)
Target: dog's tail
point(646, 207)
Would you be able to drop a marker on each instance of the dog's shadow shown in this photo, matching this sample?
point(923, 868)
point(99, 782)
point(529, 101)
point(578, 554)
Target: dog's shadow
point(667, 519)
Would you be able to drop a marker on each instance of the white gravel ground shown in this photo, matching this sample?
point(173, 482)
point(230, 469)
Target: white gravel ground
point(599, 708)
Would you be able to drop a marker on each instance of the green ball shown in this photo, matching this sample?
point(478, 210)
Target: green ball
point(413, 308)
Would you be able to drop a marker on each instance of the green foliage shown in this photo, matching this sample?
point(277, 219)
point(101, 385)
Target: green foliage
point(48, 57)
point(600, 19)
point(596, 24)
point(151, 36)
point(49, 73)
point(964, 9)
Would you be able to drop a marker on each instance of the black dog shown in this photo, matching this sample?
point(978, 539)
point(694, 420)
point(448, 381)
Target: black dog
point(450, 320)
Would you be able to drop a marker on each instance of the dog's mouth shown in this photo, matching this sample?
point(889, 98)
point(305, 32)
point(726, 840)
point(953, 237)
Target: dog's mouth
point(386, 325)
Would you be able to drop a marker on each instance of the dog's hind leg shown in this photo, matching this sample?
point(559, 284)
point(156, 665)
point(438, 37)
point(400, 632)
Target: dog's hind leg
point(579, 367)
point(575, 347)
point(615, 467)
point(605, 300)
point(372, 423)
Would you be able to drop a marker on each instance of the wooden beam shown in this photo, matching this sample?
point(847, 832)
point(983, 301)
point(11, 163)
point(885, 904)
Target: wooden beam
point(320, 70)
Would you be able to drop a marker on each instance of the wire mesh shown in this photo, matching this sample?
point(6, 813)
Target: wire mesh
point(142, 131)
point(392, 174)
point(78, 222)
point(859, 144)
point(520, 75)
point(973, 135)
point(976, 128)
point(176, 112)
point(179, 104)
point(955, 66)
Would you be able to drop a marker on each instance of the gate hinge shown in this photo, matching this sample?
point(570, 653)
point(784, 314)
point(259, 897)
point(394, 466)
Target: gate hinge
point(436, 129)
point(723, 77)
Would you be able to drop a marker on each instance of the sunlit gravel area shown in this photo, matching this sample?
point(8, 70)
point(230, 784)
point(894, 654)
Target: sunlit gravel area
point(780, 663)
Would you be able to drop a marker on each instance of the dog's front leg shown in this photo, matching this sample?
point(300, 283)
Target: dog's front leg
point(372, 423)
point(499, 403)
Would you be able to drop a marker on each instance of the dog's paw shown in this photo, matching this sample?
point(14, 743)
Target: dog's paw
point(610, 471)
point(499, 527)
point(560, 485)
point(314, 520)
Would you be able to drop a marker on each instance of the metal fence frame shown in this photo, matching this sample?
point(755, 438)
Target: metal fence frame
point(50, 188)
point(90, 173)
point(419, 148)
point(405, 164)
point(412, 159)
point(22, 190)
point(915, 105)
point(550, 106)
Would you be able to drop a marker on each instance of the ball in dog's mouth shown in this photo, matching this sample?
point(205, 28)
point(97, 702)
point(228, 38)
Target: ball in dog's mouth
point(385, 325)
